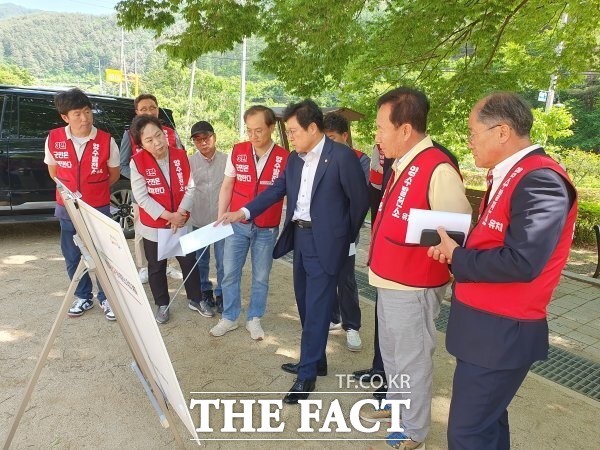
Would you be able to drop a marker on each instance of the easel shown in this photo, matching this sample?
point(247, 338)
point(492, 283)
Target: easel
point(90, 262)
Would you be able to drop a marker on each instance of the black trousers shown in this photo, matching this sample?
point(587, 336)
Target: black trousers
point(157, 275)
point(347, 307)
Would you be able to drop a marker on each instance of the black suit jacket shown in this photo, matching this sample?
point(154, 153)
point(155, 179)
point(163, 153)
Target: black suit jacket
point(338, 205)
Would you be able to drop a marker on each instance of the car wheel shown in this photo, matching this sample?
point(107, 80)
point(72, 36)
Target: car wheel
point(121, 210)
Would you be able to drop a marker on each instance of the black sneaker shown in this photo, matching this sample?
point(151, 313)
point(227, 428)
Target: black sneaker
point(203, 308)
point(219, 304)
point(207, 296)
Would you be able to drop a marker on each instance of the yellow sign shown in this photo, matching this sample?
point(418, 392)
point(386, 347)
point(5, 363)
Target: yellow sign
point(114, 75)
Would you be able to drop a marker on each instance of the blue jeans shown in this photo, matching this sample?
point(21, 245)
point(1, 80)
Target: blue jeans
point(204, 266)
point(72, 257)
point(260, 241)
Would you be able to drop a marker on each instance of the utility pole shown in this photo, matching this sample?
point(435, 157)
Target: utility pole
point(122, 62)
point(554, 77)
point(190, 95)
point(243, 88)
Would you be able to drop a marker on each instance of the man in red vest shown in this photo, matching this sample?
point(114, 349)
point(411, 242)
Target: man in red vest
point(506, 273)
point(346, 311)
point(410, 286)
point(84, 159)
point(144, 104)
point(252, 167)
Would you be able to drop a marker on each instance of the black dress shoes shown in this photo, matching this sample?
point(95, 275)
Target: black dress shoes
point(367, 375)
point(293, 368)
point(299, 391)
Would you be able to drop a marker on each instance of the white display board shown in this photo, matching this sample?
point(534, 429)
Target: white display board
point(112, 248)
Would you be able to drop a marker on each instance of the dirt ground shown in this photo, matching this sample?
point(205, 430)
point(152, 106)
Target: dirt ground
point(89, 397)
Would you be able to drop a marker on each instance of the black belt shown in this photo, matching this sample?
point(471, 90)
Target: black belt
point(303, 223)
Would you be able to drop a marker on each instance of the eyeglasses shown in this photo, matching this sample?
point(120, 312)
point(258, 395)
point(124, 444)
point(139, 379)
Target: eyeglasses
point(148, 109)
point(258, 132)
point(290, 133)
point(202, 139)
point(472, 135)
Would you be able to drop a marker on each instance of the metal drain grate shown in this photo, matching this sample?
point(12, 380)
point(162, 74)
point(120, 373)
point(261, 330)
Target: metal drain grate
point(569, 370)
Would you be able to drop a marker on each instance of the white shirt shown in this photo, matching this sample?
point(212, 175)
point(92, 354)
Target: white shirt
point(260, 162)
point(80, 143)
point(311, 162)
point(502, 168)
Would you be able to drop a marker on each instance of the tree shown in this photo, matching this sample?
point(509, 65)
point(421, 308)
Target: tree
point(455, 51)
point(14, 75)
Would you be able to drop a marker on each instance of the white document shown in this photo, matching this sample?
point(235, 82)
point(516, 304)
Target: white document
point(204, 236)
point(424, 219)
point(168, 242)
point(352, 249)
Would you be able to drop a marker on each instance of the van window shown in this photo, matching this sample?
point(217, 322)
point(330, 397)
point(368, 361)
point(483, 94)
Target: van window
point(37, 116)
point(113, 118)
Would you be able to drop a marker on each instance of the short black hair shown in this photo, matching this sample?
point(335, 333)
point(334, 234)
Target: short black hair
point(138, 124)
point(306, 112)
point(267, 112)
point(72, 99)
point(335, 122)
point(507, 107)
point(141, 97)
point(408, 106)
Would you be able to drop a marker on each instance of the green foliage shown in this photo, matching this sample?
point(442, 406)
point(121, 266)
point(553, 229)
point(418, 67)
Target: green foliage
point(553, 124)
point(14, 75)
point(357, 49)
point(583, 167)
point(588, 215)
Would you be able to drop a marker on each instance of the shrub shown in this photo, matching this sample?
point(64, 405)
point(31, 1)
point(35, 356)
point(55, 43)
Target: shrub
point(588, 216)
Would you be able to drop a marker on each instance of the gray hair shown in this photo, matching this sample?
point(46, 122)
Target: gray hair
point(509, 108)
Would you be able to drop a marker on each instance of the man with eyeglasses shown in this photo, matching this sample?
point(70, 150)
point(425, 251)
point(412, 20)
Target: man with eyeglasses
point(144, 104)
point(410, 288)
point(327, 200)
point(252, 167)
point(506, 273)
point(208, 168)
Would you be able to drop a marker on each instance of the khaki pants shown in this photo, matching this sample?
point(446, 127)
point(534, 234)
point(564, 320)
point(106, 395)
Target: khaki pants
point(138, 244)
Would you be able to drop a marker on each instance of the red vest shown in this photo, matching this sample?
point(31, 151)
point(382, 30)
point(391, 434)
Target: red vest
point(169, 133)
point(390, 257)
point(90, 175)
point(247, 185)
point(168, 196)
point(376, 177)
point(515, 300)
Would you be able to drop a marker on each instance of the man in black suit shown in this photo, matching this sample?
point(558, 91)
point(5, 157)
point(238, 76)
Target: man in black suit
point(506, 273)
point(327, 201)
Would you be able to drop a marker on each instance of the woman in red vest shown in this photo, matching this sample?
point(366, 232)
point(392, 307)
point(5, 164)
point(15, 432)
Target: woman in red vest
point(163, 188)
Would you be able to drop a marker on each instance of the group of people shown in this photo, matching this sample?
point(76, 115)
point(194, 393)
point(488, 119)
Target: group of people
point(504, 275)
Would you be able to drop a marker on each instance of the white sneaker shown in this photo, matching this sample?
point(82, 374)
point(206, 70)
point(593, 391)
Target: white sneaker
point(353, 341)
point(256, 331)
point(223, 327)
point(108, 312)
point(335, 326)
point(143, 274)
point(174, 273)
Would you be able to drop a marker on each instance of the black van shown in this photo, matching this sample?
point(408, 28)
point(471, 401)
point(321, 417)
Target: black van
point(26, 189)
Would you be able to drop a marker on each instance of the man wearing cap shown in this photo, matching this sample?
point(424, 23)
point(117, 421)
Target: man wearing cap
point(208, 169)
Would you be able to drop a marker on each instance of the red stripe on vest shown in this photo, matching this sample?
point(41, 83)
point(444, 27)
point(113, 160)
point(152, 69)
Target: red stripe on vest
point(168, 196)
point(247, 185)
point(516, 300)
point(90, 175)
point(390, 257)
